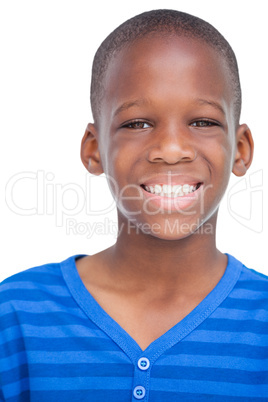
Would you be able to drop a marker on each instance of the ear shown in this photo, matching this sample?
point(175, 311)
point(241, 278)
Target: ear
point(90, 154)
point(244, 150)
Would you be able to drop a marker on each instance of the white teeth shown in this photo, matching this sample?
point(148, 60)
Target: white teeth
point(157, 189)
point(167, 190)
point(177, 190)
point(186, 188)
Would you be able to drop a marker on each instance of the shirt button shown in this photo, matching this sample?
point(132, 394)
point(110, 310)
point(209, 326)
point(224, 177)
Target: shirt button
point(139, 392)
point(143, 363)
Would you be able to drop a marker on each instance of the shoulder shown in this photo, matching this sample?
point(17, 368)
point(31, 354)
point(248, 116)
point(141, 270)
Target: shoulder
point(248, 276)
point(32, 299)
point(33, 285)
point(251, 292)
point(253, 278)
point(31, 278)
point(253, 286)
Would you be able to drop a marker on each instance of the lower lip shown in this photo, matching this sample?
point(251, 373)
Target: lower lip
point(172, 203)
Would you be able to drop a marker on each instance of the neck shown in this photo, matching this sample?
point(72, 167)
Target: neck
point(147, 261)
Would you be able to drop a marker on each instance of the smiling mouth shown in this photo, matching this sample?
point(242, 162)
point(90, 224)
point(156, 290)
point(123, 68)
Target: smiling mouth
point(171, 191)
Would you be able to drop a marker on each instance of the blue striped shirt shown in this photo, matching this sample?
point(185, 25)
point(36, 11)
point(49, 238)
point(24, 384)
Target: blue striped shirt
point(58, 344)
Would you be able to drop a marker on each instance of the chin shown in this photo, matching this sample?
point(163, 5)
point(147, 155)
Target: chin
point(175, 229)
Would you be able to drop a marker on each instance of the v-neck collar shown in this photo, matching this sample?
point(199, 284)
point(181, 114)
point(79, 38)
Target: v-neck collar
point(174, 335)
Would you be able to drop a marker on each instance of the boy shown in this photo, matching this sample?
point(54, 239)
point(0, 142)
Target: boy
point(162, 315)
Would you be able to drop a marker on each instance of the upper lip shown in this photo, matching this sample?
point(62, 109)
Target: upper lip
point(170, 178)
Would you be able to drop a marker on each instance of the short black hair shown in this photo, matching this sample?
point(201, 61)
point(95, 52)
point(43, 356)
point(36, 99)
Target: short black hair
point(166, 22)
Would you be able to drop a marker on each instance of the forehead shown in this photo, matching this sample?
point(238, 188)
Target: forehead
point(154, 66)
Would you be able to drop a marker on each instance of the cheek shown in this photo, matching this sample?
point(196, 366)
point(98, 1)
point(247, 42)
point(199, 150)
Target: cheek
point(221, 157)
point(119, 165)
point(221, 168)
point(225, 162)
point(216, 156)
point(120, 156)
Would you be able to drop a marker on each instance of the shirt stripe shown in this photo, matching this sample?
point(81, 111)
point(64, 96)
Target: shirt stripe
point(58, 344)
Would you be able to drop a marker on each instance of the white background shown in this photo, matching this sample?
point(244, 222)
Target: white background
point(47, 49)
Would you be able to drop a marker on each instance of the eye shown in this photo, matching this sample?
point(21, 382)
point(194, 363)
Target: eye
point(204, 123)
point(136, 125)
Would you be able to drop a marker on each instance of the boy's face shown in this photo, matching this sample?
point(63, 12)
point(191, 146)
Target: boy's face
point(167, 120)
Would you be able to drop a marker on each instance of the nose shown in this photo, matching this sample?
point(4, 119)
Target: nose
point(172, 146)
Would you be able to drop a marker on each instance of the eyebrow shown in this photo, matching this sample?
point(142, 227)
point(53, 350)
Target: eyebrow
point(214, 104)
point(129, 104)
point(139, 102)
